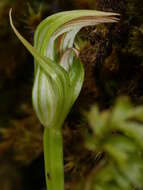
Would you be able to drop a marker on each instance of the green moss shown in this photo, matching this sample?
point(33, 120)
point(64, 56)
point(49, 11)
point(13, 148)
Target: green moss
point(117, 137)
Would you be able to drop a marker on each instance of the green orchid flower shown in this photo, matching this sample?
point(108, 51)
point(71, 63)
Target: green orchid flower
point(58, 79)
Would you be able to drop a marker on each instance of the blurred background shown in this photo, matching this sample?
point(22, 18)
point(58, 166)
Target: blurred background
point(112, 55)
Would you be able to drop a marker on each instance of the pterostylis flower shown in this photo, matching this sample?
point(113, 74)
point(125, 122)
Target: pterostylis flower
point(58, 79)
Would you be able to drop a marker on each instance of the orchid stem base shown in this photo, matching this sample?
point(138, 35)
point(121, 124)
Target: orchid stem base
point(53, 157)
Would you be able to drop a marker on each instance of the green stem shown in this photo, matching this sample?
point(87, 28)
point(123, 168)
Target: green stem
point(53, 156)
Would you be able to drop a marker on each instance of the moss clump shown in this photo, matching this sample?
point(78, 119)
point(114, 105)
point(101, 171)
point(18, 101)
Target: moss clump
point(116, 139)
